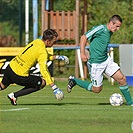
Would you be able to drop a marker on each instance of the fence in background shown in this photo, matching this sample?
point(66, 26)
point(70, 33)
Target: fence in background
point(63, 22)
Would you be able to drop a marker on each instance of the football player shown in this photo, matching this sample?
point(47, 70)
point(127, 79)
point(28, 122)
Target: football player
point(18, 70)
point(99, 61)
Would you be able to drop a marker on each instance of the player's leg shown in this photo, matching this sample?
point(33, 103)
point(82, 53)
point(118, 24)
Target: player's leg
point(30, 89)
point(72, 81)
point(83, 84)
point(121, 79)
point(6, 80)
point(31, 83)
point(96, 73)
point(113, 70)
point(2, 86)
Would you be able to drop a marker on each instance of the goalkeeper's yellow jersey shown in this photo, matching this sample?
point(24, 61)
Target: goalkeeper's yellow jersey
point(35, 52)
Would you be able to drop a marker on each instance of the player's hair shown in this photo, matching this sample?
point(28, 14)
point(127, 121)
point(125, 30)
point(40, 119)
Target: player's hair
point(49, 34)
point(114, 18)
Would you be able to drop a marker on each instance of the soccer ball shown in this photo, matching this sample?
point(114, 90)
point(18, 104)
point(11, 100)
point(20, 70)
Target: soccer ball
point(116, 99)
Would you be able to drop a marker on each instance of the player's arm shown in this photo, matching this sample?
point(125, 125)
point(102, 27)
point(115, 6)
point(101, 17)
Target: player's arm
point(59, 57)
point(57, 92)
point(88, 36)
point(83, 42)
point(42, 60)
point(47, 77)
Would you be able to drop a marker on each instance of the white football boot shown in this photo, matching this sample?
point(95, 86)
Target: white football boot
point(12, 98)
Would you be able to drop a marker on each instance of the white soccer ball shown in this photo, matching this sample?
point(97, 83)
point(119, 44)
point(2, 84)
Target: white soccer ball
point(116, 99)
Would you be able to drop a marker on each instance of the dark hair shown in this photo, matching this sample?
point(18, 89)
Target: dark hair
point(115, 17)
point(49, 34)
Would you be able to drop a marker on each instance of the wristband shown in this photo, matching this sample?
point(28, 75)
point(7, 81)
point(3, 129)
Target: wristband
point(54, 87)
point(57, 57)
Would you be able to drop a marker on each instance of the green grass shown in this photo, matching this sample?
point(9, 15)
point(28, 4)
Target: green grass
point(79, 112)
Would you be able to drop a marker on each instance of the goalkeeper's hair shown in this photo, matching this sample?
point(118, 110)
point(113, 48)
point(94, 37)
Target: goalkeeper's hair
point(49, 34)
point(114, 18)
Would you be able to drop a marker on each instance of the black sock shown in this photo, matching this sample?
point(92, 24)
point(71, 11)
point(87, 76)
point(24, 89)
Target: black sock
point(25, 91)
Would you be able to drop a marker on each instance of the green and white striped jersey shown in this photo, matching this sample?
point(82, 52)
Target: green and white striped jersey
point(99, 37)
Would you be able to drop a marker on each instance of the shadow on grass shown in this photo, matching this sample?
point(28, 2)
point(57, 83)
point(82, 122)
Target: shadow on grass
point(109, 104)
point(103, 103)
point(56, 104)
point(38, 104)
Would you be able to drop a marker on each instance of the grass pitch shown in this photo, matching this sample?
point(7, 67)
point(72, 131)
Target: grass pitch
point(79, 112)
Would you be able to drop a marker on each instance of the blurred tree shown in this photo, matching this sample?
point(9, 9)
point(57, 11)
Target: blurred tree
point(65, 5)
point(98, 12)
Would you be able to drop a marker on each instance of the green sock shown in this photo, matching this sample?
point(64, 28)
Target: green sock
point(84, 84)
point(125, 91)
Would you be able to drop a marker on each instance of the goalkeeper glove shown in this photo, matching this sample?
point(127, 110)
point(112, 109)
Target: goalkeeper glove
point(58, 93)
point(62, 57)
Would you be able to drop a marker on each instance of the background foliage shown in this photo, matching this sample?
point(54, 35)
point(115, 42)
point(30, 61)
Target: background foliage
point(98, 12)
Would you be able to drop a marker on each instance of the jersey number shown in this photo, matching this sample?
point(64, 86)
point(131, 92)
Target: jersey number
point(94, 82)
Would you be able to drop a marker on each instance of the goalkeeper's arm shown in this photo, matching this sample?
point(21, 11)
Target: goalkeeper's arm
point(57, 92)
point(60, 57)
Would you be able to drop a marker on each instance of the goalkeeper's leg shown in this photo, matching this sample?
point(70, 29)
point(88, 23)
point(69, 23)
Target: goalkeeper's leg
point(30, 89)
point(26, 90)
point(13, 96)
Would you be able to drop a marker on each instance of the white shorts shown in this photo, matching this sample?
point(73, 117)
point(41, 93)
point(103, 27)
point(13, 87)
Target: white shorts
point(109, 67)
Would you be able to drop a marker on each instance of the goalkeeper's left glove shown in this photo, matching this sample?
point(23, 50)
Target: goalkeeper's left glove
point(58, 93)
point(62, 57)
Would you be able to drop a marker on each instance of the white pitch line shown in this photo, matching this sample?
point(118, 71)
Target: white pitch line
point(81, 109)
point(18, 109)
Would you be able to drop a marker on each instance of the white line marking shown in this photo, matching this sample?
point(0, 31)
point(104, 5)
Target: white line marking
point(81, 109)
point(18, 109)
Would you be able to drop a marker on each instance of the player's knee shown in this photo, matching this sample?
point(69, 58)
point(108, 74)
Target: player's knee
point(43, 83)
point(123, 78)
point(2, 87)
point(122, 81)
point(97, 89)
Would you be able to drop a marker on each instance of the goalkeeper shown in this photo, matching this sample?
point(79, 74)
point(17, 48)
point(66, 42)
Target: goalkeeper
point(18, 69)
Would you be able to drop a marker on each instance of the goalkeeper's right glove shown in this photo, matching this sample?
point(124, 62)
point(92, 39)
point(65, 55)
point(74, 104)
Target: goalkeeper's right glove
point(58, 93)
point(62, 57)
